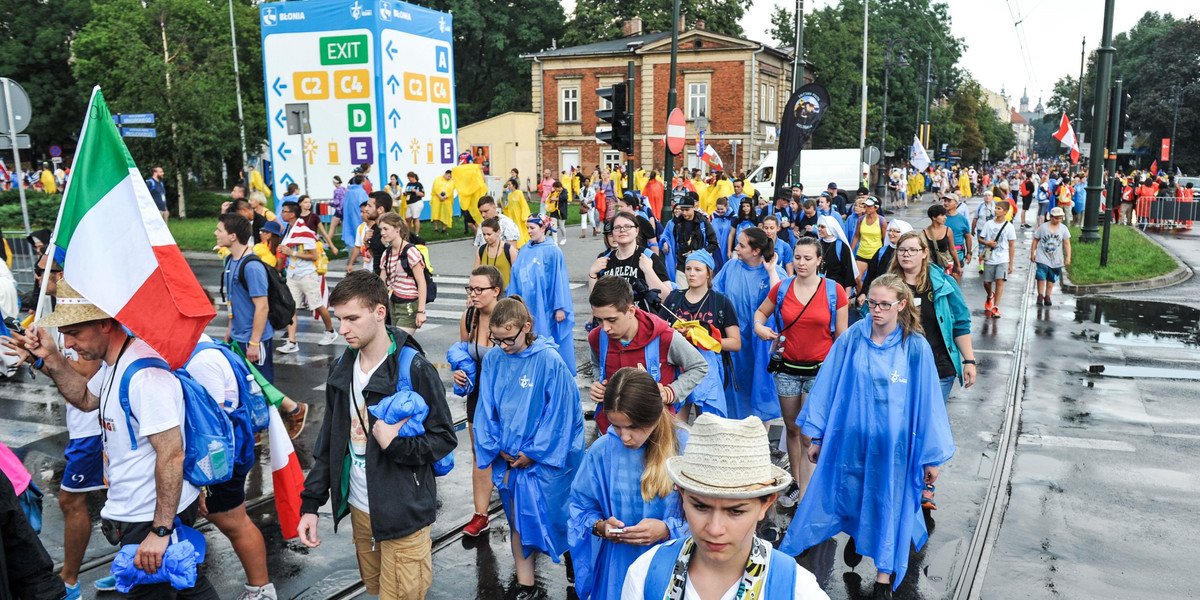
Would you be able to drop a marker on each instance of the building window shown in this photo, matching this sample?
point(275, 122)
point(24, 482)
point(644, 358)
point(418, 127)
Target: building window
point(611, 159)
point(569, 108)
point(697, 100)
point(771, 105)
point(567, 158)
point(692, 161)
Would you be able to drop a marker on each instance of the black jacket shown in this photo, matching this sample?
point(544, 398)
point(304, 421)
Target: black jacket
point(696, 234)
point(400, 482)
point(26, 571)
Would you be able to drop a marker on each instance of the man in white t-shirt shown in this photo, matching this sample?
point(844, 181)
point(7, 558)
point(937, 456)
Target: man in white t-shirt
point(508, 228)
point(998, 237)
point(146, 488)
point(306, 285)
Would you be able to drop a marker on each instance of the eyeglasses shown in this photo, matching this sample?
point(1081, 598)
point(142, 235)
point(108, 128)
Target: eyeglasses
point(624, 227)
point(42, 272)
point(471, 291)
point(508, 341)
point(882, 306)
point(909, 251)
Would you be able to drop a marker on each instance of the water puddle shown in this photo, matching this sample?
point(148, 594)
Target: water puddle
point(1137, 323)
point(1125, 372)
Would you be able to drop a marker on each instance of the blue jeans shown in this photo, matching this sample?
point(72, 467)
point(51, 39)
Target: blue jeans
point(947, 383)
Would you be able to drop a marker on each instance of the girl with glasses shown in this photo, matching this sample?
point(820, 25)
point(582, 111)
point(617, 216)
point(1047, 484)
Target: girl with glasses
point(539, 274)
point(878, 430)
point(529, 431)
point(495, 251)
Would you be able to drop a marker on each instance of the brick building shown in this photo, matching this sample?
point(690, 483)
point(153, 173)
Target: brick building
point(737, 86)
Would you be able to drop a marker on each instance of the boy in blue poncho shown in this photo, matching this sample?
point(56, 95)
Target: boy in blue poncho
point(879, 431)
point(540, 277)
point(529, 430)
point(622, 501)
point(722, 223)
point(746, 280)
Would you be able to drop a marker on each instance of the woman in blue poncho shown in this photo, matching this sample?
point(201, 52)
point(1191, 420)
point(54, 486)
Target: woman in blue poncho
point(622, 501)
point(540, 277)
point(879, 431)
point(746, 280)
point(529, 431)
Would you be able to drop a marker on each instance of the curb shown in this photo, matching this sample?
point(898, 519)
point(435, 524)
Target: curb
point(1179, 275)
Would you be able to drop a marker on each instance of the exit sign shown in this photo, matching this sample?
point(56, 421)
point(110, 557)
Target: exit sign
point(345, 50)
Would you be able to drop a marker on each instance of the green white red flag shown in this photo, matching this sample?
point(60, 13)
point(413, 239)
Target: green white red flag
point(119, 253)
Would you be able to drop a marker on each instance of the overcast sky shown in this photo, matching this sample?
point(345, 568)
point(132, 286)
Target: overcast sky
point(1050, 33)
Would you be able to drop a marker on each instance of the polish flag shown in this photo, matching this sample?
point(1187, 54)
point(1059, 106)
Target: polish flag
point(1066, 135)
point(286, 476)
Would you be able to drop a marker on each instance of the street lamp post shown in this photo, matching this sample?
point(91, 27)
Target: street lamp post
point(1095, 185)
point(1174, 123)
point(1079, 100)
point(902, 62)
point(924, 128)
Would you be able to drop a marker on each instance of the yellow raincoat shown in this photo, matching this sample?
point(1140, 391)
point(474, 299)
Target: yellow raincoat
point(517, 209)
point(708, 202)
point(470, 185)
point(442, 209)
point(639, 179)
point(964, 185)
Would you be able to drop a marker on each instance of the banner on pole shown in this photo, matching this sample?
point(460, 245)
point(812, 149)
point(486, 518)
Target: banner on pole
point(801, 116)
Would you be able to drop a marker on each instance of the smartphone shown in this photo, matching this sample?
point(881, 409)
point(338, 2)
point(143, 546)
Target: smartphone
point(616, 530)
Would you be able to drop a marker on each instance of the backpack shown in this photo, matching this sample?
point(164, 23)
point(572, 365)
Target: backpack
point(250, 395)
point(430, 285)
point(482, 249)
point(208, 436)
point(653, 362)
point(830, 295)
point(281, 308)
point(404, 384)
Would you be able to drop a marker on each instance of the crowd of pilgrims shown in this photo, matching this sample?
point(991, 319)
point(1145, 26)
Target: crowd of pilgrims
point(820, 312)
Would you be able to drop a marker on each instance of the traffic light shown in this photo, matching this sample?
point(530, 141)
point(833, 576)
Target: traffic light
point(620, 136)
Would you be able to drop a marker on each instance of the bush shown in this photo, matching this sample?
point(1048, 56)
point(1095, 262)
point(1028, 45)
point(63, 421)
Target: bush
point(43, 209)
point(204, 204)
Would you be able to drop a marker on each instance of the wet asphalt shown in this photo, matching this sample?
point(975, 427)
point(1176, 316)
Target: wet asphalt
point(1102, 487)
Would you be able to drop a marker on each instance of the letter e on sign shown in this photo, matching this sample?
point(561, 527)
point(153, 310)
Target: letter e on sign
point(439, 90)
point(414, 87)
point(310, 85)
point(352, 84)
point(448, 155)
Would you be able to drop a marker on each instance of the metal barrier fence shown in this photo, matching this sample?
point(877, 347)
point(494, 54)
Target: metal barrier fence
point(1166, 212)
point(23, 258)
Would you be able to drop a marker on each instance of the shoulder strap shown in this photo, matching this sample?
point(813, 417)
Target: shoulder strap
point(662, 565)
point(831, 294)
point(508, 252)
point(249, 258)
point(602, 359)
point(653, 357)
point(123, 390)
point(404, 368)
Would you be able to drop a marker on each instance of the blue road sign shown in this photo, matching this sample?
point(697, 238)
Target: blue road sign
point(138, 132)
point(55, 151)
point(138, 119)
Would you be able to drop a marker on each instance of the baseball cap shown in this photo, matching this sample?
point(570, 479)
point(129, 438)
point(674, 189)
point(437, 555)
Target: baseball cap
point(1057, 211)
point(832, 185)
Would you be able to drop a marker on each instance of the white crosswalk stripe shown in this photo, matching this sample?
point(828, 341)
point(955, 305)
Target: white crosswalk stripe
point(15, 434)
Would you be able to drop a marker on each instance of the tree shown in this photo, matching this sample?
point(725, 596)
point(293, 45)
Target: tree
point(490, 38)
point(174, 58)
point(597, 22)
point(35, 49)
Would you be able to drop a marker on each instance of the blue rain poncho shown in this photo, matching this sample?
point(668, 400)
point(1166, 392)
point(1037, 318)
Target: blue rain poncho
point(529, 403)
point(722, 225)
point(609, 484)
point(185, 550)
point(540, 277)
point(459, 357)
point(746, 289)
point(356, 196)
point(407, 404)
point(879, 410)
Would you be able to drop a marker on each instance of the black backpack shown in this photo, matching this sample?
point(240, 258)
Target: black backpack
point(430, 286)
point(281, 308)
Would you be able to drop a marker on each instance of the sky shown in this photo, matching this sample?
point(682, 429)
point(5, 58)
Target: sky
point(1035, 54)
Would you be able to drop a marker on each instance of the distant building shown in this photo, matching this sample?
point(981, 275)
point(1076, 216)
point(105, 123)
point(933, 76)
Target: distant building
point(737, 87)
point(1023, 145)
point(502, 143)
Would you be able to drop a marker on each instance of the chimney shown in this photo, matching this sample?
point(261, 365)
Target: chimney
point(632, 27)
point(700, 24)
point(682, 25)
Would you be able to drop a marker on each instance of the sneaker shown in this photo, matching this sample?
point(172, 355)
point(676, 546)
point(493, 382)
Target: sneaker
point(989, 305)
point(527, 592)
point(995, 312)
point(1039, 300)
point(479, 524)
point(327, 339)
point(927, 497)
point(850, 554)
point(288, 348)
point(266, 592)
point(73, 592)
point(106, 584)
point(1046, 300)
point(295, 421)
point(790, 496)
point(881, 591)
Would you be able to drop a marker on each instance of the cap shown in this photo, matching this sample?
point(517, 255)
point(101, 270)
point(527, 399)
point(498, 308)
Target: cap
point(1057, 211)
point(832, 185)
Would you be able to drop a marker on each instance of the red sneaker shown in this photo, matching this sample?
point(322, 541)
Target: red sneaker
point(479, 524)
point(987, 306)
point(995, 312)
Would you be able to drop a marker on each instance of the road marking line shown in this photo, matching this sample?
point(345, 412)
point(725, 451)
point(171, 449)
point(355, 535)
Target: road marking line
point(1054, 441)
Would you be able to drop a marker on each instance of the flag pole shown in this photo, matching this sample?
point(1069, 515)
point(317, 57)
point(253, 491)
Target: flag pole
point(58, 220)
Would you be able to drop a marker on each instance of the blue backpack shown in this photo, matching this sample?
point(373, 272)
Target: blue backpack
point(252, 405)
point(208, 436)
point(830, 294)
point(653, 362)
point(404, 384)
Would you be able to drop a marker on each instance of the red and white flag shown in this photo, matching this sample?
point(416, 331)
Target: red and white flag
point(1066, 135)
point(710, 156)
point(286, 476)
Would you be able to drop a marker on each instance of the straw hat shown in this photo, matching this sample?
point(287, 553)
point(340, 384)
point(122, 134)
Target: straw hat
point(726, 458)
point(71, 308)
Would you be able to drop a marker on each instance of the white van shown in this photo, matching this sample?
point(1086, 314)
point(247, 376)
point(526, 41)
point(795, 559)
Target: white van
point(817, 169)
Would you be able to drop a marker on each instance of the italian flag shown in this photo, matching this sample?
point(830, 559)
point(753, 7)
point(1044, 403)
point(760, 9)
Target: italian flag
point(119, 253)
point(286, 476)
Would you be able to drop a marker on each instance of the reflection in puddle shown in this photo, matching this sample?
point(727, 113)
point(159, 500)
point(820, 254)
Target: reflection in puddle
point(1141, 323)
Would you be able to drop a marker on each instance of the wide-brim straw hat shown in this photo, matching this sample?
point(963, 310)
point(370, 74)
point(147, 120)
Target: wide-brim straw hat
point(727, 458)
point(71, 308)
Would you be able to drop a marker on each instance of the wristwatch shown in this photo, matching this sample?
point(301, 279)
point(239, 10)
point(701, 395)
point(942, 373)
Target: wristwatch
point(161, 531)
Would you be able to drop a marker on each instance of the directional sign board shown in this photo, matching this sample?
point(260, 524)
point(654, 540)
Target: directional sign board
point(138, 119)
point(378, 78)
point(19, 100)
point(138, 132)
point(22, 142)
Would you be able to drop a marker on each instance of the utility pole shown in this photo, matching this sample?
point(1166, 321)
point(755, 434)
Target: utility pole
point(1095, 185)
point(1174, 124)
point(798, 75)
point(669, 166)
point(1079, 100)
point(862, 128)
point(631, 94)
point(237, 83)
point(928, 80)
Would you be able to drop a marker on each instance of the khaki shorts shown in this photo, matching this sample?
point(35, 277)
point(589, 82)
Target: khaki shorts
point(400, 569)
point(306, 291)
point(404, 314)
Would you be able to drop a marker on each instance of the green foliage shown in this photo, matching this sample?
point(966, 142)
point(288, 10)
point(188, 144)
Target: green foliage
point(1131, 257)
point(43, 209)
point(490, 37)
point(599, 21)
point(35, 49)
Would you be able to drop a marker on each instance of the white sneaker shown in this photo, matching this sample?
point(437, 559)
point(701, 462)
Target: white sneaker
point(266, 592)
point(327, 339)
point(288, 348)
point(790, 496)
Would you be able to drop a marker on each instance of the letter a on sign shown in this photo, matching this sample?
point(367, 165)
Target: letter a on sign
point(443, 59)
